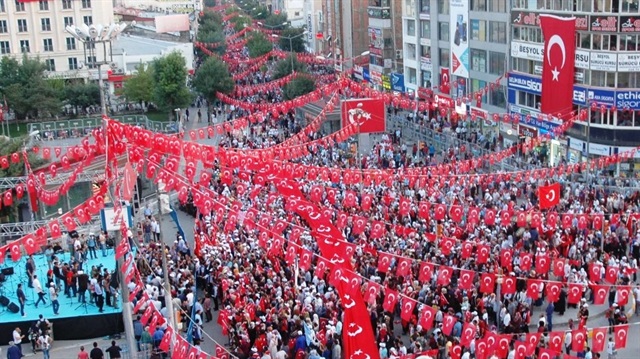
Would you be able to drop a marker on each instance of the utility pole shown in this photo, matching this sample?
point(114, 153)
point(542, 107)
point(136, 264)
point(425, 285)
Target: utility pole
point(165, 269)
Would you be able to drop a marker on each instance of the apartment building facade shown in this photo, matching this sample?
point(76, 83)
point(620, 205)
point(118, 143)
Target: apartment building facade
point(37, 29)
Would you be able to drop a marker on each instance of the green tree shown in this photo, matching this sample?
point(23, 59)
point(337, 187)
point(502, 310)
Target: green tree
point(283, 67)
point(26, 89)
point(170, 82)
point(276, 21)
point(300, 85)
point(258, 45)
point(260, 13)
point(212, 77)
point(209, 3)
point(291, 39)
point(139, 87)
point(240, 22)
point(82, 95)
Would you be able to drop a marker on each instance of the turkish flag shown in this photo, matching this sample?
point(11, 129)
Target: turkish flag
point(426, 319)
point(423, 210)
point(502, 346)
point(384, 262)
point(473, 216)
point(620, 334)
point(505, 218)
point(482, 253)
point(372, 292)
point(611, 274)
point(506, 258)
point(482, 349)
point(536, 220)
point(403, 267)
point(542, 263)
point(509, 285)
point(166, 340)
point(558, 267)
point(598, 221)
point(466, 249)
point(444, 275)
point(180, 349)
point(407, 309)
point(549, 196)
point(559, 64)
point(439, 212)
point(456, 352)
point(546, 354)
point(444, 80)
point(487, 283)
point(525, 261)
point(566, 221)
point(455, 213)
point(466, 279)
point(29, 243)
point(468, 334)
point(426, 271)
point(532, 341)
point(600, 293)
point(553, 291)
point(446, 245)
point(221, 352)
point(520, 350)
point(598, 339)
point(448, 321)
point(623, 294)
point(556, 340)
point(595, 272)
point(552, 220)
point(490, 217)
point(521, 219)
point(578, 338)
point(533, 288)
point(575, 293)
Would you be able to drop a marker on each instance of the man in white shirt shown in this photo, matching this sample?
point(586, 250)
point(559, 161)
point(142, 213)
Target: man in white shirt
point(17, 338)
point(53, 295)
point(568, 338)
point(38, 288)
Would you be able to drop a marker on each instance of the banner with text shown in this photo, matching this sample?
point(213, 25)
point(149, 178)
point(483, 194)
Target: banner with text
point(458, 31)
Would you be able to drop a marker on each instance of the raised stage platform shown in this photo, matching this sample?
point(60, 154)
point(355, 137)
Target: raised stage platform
point(74, 321)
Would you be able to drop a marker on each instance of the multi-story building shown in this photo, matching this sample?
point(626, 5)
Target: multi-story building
point(345, 30)
point(385, 42)
point(606, 75)
point(38, 30)
point(460, 42)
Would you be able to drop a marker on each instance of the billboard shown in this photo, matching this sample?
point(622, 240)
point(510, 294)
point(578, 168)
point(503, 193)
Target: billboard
point(458, 34)
point(370, 113)
point(172, 23)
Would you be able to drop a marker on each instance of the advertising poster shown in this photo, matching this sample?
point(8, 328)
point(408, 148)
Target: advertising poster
point(459, 35)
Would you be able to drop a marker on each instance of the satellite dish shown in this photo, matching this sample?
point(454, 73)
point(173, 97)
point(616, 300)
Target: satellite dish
point(113, 65)
point(34, 133)
point(81, 65)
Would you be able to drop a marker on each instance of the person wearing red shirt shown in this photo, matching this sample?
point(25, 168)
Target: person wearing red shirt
point(82, 354)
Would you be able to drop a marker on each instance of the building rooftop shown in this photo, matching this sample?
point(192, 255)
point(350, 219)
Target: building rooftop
point(135, 45)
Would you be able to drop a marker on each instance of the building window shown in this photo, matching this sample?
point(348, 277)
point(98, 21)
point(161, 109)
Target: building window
point(479, 30)
point(425, 6)
point(87, 20)
point(44, 5)
point(3, 27)
point(629, 6)
point(412, 75)
point(2, 7)
point(91, 61)
point(426, 79)
point(605, 42)
point(19, 6)
point(499, 5)
point(603, 78)
point(46, 24)
point(71, 43)
point(498, 32)
point(444, 57)
point(50, 64)
point(73, 63)
point(68, 21)
point(529, 34)
point(443, 31)
point(628, 43)
point(425, 29)
point(478, 60)
point(497, 97)
point(425, 51)
point(48, 45)
point(628, 80)
point(411, 27)
point(411, 51)
point(66, 4)
point(528, 99)
point(443, 7)
point(86, 4)
point(496, 63)
point(4, 47)
point(22, 25)
point(24, 46)
point(478, 5)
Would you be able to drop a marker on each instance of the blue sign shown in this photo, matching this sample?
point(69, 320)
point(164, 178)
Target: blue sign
point(628, 99)
point(601, 97)
point(580, 95)
point(397, 82)
point(365, 74)
point(525, 83)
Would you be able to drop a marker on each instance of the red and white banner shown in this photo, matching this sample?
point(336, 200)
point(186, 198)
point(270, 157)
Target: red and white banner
point(559, 64)
point(368, 112)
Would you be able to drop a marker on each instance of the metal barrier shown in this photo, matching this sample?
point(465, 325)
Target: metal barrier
point(80, 127)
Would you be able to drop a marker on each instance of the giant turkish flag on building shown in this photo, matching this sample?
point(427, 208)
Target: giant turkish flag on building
point(558, 65)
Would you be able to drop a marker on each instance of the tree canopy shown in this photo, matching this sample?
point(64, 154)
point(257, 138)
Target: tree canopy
point(300, 85)
point(139, 87)
point(212, 77)
point(276, 21)
point(26, 89)
point(82, 95)
point(258, 45)
point(169, 82)
point(283, 67)
point(210, 30)
point(292, 39)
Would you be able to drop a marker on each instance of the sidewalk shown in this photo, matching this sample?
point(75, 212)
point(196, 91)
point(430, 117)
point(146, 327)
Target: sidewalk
point(595, 312)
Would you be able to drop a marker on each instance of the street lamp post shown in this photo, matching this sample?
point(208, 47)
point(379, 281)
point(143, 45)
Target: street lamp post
point(290, 38)
point(102, 35)
point(272, 27)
